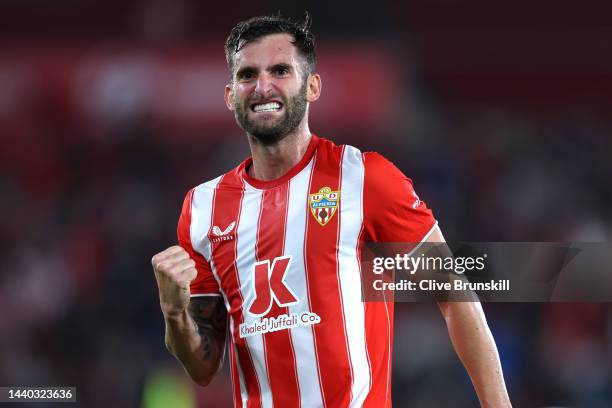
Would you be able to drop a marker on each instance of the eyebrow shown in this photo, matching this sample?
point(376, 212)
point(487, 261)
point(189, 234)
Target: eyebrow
point(249, 69)
point(281, 65)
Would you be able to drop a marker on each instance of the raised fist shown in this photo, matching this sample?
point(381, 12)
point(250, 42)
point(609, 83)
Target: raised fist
point(174, 270)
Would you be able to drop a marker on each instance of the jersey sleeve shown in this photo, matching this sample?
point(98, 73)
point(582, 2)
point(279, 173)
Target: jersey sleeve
point(392, 210)
point(204, 283)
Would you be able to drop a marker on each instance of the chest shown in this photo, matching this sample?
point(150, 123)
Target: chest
point(281, 237)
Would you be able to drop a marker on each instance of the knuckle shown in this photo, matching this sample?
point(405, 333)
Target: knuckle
point(160, 256)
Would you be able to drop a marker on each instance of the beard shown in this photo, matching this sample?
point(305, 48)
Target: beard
point(270, 132)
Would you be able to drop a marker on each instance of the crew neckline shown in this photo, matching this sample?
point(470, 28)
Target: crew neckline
point(262, 184)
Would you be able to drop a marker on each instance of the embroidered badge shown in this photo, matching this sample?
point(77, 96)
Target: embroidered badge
point(324, 204)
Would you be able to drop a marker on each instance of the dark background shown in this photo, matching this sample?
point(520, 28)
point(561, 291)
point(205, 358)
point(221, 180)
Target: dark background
point(110, 111)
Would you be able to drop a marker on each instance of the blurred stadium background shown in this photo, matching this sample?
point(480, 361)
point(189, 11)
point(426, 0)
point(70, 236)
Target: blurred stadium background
point(110, 111)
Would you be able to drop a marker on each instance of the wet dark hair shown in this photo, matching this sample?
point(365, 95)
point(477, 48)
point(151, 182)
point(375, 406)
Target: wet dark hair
point(258, 27)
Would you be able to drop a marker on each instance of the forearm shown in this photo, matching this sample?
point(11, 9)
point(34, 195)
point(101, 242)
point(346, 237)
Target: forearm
point(197, 350)
point(475, 346)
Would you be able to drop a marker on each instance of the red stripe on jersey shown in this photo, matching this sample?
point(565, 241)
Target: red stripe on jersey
point(323, 284)
point(280, 357)
point(227, 203)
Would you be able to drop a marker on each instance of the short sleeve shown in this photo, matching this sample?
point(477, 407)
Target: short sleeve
point(204, 283)
point(393, 211)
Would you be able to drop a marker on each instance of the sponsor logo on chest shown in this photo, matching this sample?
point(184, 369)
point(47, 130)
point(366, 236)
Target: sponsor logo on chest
point(269, 287)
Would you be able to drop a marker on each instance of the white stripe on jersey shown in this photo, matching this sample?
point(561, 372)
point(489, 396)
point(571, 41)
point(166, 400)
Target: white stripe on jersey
point(303, 342)
point(245, 259)
point(351, 213)
point(201, 213)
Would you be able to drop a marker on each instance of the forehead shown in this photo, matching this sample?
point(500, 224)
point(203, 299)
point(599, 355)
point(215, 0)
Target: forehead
point(271, 49)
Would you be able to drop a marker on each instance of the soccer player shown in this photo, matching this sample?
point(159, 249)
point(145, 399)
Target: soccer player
point(269, 252)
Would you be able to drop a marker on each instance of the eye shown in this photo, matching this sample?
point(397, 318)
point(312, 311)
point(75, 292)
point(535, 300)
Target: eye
point(282, 71)
point(245, 75)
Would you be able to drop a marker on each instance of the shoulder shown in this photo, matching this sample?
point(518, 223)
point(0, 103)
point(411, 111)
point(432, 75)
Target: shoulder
point(205, 191)
point(383, 180)
point(204, 188)
point(378, 165)
point(393, 212)
point(385, 185)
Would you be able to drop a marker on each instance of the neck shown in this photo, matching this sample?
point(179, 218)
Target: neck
point(273, 161)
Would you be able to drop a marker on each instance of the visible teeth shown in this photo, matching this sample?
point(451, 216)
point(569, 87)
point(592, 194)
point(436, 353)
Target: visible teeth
point(267, 107)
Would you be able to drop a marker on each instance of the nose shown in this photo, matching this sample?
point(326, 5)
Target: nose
point(264, 84)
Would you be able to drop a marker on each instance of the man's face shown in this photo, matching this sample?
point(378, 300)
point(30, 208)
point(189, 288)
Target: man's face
point(268, 93)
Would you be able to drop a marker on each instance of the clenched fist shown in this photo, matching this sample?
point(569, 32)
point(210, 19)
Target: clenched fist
point(174, 270)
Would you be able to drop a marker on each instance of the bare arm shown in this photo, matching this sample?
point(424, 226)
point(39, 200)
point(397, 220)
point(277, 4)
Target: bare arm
point(475, 346)
point(197, 337)
point(196, 327)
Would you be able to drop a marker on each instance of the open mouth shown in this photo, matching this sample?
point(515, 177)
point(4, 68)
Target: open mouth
point(267, 107)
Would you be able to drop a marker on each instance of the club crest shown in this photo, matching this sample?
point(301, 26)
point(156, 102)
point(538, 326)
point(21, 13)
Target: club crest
point(323, 205)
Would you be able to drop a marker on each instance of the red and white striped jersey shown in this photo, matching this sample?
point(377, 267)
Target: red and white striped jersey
point(284, 255)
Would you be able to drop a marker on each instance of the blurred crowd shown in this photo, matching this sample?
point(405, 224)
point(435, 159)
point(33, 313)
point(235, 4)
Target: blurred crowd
point(85, 208)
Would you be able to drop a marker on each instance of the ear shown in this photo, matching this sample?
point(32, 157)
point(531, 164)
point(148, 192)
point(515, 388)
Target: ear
point(314, 87)
point(228, 96)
